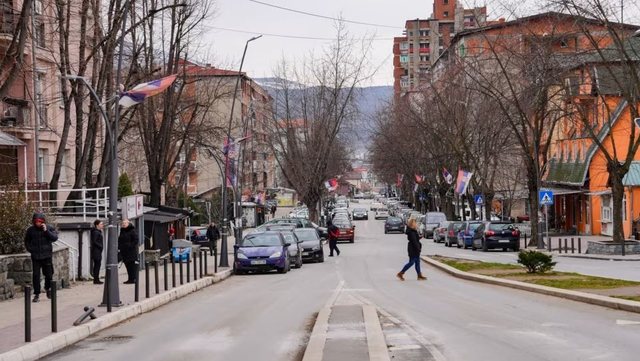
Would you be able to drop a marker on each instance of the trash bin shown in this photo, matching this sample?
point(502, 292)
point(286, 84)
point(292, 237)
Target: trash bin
point(181, 249)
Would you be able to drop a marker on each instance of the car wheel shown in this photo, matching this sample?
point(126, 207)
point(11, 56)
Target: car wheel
point(504, 249)
point(352, 240)
point(385, 231)
point(458, 245)
point(473, 246)
point(299, 261)
point(516, 249)
point(239, 272)
point(282, 270)
point(321, 259)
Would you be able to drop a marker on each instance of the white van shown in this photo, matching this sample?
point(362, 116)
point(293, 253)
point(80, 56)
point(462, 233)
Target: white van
point(431, 221)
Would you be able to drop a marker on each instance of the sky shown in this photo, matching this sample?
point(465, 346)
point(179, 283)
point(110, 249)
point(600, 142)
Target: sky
point(264, 54)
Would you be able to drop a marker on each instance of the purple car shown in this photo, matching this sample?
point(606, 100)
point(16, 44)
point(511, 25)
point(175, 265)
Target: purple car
point(263, 251)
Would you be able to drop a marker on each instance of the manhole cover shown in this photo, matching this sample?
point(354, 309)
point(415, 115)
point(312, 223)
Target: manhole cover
point(116, 338)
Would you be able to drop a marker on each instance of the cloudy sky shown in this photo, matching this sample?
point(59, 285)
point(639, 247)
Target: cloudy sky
point(243, 19)
point(264, 54)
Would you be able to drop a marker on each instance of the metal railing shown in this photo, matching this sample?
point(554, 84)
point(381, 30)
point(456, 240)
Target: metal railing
point(75, 254)
point(87, 203)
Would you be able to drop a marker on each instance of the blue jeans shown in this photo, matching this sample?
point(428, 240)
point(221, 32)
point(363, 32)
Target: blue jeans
point(412, 261)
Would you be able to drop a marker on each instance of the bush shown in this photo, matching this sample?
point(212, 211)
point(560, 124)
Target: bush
point(15, 218)
point(536, 262)
point(125, 188)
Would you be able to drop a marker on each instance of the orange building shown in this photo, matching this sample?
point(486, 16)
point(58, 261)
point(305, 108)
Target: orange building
point(578, 165)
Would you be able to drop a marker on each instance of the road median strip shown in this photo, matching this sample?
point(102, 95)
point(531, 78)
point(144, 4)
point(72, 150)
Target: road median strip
point(594, 299)
point(57, 341)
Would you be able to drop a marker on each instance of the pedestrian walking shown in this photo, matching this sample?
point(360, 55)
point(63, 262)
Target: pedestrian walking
point(333, 238)
point(213, 234)
point(414, 247)
point(39, 240)
point(273, 211)
point(97, 245)
point(128, 247)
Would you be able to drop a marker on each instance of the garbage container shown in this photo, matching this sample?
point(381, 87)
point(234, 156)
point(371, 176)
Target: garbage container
point(181, 249)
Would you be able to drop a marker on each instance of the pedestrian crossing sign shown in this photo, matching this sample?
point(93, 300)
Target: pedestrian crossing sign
point(479, 199)
point(545, 197)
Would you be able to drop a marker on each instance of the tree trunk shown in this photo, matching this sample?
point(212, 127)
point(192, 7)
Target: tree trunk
point(488, 201)
point(532, 185)
point(155, 188)
point(616, 173)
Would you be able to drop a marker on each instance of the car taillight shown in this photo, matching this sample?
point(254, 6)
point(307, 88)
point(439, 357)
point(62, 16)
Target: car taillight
point(489, 233)
point(350, 230)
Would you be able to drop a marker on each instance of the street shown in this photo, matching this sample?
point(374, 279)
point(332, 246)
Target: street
point(269, 316)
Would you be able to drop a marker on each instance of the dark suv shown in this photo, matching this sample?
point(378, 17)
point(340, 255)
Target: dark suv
point(503, 235)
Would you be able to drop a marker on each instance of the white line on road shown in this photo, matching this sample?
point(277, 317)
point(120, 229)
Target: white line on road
point(626, 322)
point(405, 347)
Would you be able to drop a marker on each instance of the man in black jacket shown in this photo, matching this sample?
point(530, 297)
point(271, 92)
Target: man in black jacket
point(128, 247)
point(39, 240)
point(97, 245)
point(213, 234)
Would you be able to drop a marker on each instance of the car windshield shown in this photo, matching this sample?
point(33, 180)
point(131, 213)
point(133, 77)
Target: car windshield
point(500, 226)
point(261, 240)
point(394, 220)
point(474, 226)
point(307, 235)
point(359, 210)
point(288, 237)
point(341, 224)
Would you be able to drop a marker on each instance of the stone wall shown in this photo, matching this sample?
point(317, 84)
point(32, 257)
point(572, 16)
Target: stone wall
point(610, 248)
point(17, 270)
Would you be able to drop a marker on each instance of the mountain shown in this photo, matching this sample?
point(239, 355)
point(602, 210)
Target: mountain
point(369, 101)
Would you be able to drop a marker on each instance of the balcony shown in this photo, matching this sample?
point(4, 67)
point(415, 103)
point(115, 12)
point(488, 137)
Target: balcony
point(15, 113)
point(7, 20)
point(424, 50)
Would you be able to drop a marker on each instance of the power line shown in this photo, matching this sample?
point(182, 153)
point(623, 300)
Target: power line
point(323, 16)
point(284, 36)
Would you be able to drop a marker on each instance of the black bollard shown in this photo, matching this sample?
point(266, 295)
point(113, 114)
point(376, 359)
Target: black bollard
point(559, 245)
point(136, 286)
point(579, 245)
point(107, 278)
point(27, 313)
point(166, 274)
point(188, 268)
point(572, 246)
point(181, 279)
point(195, 266)
point(215, 260)
point(146, 280)
point(549, 244)
point(54, 306)
point(566, 250)
point(173, 271)
point(205, 254)
point(155, 271)
point(525, 241)
point(206, 264)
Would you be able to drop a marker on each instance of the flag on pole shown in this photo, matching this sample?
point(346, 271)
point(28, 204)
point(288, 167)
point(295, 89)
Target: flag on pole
point(142, 91)
point(399, 180)
point(331, 184)
point(419, 178)
point(230, 166)
point(447, 176)
point(464, 177)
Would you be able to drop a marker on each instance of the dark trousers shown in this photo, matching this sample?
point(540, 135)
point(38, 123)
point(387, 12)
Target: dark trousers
point(412, 261)
point(95, 271)
point(333, 245)
point(46, 266)
point(212, 245)
point(131, 270)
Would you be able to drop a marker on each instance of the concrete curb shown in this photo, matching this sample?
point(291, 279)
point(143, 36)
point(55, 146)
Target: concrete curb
point(601, 258)
point(55, 342)
point(598, 300)
point(315, 346)
point(375, 338)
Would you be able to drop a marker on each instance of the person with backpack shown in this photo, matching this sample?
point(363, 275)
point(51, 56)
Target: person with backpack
point(39, 240)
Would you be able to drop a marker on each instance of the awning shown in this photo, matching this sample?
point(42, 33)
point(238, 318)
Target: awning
point(10, 141)
point(563, 191)
point(632, 178)
point(600, 193)
point(163, 217)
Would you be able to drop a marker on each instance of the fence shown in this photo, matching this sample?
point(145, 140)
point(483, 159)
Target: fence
point(86, 203)
point(562, 245)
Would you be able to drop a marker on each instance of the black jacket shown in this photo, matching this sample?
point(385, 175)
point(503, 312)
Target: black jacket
point(97, 243)
point(213, 233)
point(128, 244)
point(414, 247)
point(40, 242)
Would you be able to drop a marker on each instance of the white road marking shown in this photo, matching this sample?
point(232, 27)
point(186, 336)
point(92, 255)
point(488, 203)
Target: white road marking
point(405, 347)
point(626, 322)
point(397, 335)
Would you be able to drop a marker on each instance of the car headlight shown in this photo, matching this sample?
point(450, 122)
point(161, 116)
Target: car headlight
point(242, 256)
point(316, 248)
point(276, 255)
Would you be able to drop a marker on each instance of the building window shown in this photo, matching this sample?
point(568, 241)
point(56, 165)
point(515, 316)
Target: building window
point(446, 14)
point(42, 153)
point(404, 58)
point(38, 5)
point(264, 179)
point(564, 43)
point(41, 111)
point(424, 58)
point(446, 2)
point(424, 32)
point(41, 40)
point(404, 46)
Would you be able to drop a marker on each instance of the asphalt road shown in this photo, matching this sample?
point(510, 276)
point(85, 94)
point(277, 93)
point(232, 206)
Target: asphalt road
point(268, 317)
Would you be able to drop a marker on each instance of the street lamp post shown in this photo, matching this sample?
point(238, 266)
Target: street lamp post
point(224, 257)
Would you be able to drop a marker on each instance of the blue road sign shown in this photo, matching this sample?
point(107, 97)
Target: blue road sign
point(479, 199)
point(546, 197)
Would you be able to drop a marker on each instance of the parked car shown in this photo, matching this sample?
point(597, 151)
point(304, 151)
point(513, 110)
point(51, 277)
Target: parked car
point(360, 213)
point(197, 235)
point(294, 249)
point(393, 224)
point(374, 206)
point(263, 251)
point(431, 221)
point(503, 235)
point(311, 245)
point(347, 230)
point(339, 211)
point(440, 232)
point(452, 233)
point(470, 231)
point(381, 213)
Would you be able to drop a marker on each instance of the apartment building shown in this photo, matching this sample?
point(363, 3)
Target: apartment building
point(423, 41)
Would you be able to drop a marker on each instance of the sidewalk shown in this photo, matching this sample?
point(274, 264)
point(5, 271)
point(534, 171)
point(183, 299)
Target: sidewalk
point(71, 302)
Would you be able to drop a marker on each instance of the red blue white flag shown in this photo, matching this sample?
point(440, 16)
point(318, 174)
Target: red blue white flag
point(464, 177)
point(331, 184)
point(142, 91)
point(419, 178)
point(399, 180)
point(230, 166)
point(447, 176)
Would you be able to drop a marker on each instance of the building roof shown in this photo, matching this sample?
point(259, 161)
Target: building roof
point(632, 178)
point(9, 140)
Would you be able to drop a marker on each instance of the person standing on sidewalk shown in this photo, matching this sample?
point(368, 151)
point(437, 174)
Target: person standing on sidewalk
point(414, 247)
point(97, 245)
point(333, 238)
point(39, 240)
point(213, 234)
point(128, 247)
